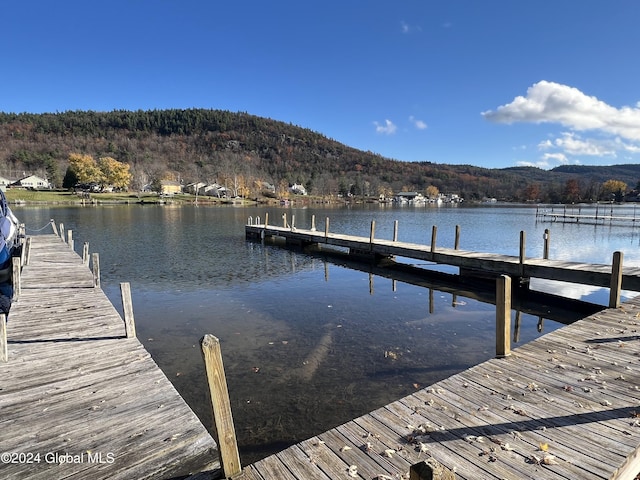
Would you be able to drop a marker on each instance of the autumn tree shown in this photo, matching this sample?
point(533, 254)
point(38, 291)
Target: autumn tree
point(85, 168)
point(571, 191)
point(613, 189)
point(432, 191)
point(115, 173)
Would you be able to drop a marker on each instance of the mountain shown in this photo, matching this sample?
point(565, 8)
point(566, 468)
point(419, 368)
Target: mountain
point(249, 151)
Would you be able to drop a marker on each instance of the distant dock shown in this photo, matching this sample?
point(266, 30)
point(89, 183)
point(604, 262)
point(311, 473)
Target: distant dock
point(80, 397)
point(589, 215)
point(615, 276)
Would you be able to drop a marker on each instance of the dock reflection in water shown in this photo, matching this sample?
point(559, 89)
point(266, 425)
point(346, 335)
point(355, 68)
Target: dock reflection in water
point(326, 339)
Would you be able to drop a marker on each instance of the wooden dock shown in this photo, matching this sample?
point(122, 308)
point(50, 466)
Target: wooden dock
point(80, 400)
point(470, 263)
point(565, 406)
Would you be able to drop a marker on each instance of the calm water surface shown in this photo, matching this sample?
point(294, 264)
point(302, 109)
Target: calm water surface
point(310, 344)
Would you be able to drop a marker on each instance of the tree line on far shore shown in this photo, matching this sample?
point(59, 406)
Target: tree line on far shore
point(256, 155)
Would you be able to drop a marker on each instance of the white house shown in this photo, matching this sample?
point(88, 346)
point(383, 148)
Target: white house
point(298, 189)
point(32, 181)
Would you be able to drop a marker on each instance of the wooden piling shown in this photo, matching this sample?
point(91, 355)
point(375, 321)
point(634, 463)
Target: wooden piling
point(127, 307)
point(523, 239)
point(434, 234)
point(456, 242)
point(293, 222)
point(326, 227)
point(503, 316)
point(430, 469)
point(15, 276)
point(27, 251)
point(62, 231)
point(95, 262)
point(225, 434)
point(55, 229)
point(70, 238)
point(4, 351)
point(266, 219)
point(313, 223)
point(546, 237)
point(85, 253)
point(284, 220)
point(395, 230)
point(372, 232)
point(616, 280)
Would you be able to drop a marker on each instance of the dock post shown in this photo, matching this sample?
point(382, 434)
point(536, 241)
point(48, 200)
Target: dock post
point(27, 251)
point(523, 239)
point(266, 219)
point(95, 263)
point(313, 223)
point(15, 276)
point(4, 352)
point(372, 233)
point(70, 238)
point(395, 230)
point(434, 234)
point(85, 253)
point(430, 469)
point(284, 220)
point(326, 228)
point(456, 243)
point(293, 223)
point(224, 429)
point(127, 307)
point(53, 225)
point(503, 316)
point(616, 280)
point(62, 231)
point(546, 237)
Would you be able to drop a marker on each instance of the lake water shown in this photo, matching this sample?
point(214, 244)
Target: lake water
point(308, 343)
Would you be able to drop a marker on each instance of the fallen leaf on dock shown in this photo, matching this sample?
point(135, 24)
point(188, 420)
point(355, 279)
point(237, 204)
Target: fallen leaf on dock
point(389, 452)
point(353, 471)
point(543, 447)
point(345, 448)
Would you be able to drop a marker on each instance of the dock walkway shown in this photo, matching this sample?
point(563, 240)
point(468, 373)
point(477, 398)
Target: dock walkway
point(565, 406)
point(486, 263)
point(77, 398)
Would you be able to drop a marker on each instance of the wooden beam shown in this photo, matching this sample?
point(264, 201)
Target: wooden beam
point(503, 316)
point(616, 280)
point(95, 263)
point(53, 225)
point(27, 251)
point(546, 237)
point(395, 230)
point(4, 352)
point(85, 253)
point(434, 235)
point(430, 469)
point(15, 276)
point(224, 429)
point(456, 242)
point(372, 233)
point(523, 241)
point(127, 307)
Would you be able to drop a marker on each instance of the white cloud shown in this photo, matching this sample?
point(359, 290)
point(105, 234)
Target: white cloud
point(540, 164)
point(545, 145)
point(388, 128)
point(549, 102)
point(572, 144)
point(558, 157)
point(419, 124)
point(405, 27)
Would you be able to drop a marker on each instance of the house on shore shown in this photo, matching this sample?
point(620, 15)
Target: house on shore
point(32, 181)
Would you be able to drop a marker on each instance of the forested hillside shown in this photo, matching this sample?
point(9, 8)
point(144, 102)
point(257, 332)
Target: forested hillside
point(250, 151)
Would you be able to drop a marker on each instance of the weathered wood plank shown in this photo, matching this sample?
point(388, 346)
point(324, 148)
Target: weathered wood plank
point(74, 384)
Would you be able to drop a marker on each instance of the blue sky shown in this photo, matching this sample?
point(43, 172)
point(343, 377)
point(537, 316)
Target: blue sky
point(493, 83)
